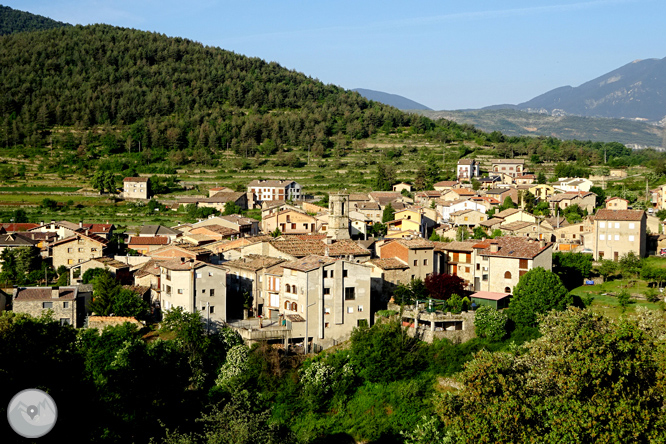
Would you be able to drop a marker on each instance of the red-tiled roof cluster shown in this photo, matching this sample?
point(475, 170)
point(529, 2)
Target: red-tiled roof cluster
point(619, 215)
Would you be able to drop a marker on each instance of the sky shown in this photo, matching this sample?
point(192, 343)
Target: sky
point(443, 54)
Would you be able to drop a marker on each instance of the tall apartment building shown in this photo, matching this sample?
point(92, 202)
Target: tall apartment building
point(136, 188)
point(617, 232)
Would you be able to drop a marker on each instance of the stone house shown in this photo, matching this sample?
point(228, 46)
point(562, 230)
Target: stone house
point(119, 270)
point(289, 222)
point(446, 185)
point(136, 188)
point(16, 240)
point(215, 232)
point(77, 249)
point(417, 253)
point(585, 200)
point(247, 276)
point(159, 230)
point(325, 299)
point(502, 193)
point(402, 186)
point(220, 200)
point(387, 274)
point(213, 191)
point(617, 203)
point(245, 226)
point(196, 286)
point(69, 306)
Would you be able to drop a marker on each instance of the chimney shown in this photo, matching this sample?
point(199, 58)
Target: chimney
point(191, 264)
point(494, 247)
point(55, 292)
point(542, 243)
point(182, 260)
point(80, 224)
point(326, 251)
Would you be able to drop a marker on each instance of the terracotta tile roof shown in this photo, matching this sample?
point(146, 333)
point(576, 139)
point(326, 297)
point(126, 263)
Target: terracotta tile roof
point(605, 214)
point(446, 183)
point(356, 197)
point(295, 318)
point(44, 294)
point(151, 267)
point(240, 220)
point(390, 263)
point(308, 263)
point(515, 247)
point(491, 222)
point(461, 212)
point(298, 247)
point(254, 262)
point(429, 194)
point(158, 230)
point(111, 262)
point(101, 322)
point(466, 161)
point(135, 179)
point(226, 245)
point(509, 161)
point(223, 197)
point(217, 229)
point(157, 240)
point(415, 244)
point(369, 206)
point(178, 265)
point(18, 226)
point(517, 225)
point(467, 246)
point(507, 212)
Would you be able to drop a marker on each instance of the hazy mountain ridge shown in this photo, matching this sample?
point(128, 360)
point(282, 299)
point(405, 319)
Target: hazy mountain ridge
point(636, 90)
point(394, 100)
point(513, 122)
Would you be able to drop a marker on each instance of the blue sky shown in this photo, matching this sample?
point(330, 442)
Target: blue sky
point(443, 54)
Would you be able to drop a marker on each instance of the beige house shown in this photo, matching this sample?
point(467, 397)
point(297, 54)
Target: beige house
point(616, 233)
point(325, 299)
point(77, 249)
point(585, 200)
point(617, 203)
point(386, 275)
point(446, 185)
point(245, 226)
point(144, 245)
point(515, 215)
point(68, 305)
point(512, 167)
point(136, 188)
point(289, 222)
point(197, 287)
point(220, 200)
point(542, 191)
point(418, 254)
point(470, 218)
point(213, 191)
point(402, 186)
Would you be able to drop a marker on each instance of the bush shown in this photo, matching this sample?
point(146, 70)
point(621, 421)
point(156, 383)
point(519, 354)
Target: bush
point(490, 323)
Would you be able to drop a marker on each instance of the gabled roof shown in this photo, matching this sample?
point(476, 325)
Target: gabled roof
point(491, 222)
point(514, 247)
point(509, 161)
point(135, 179)
point(446, 183)
point(517, 225)
point(390, 263)
point(16, 240)
point(508, 212)
point(44, 293)
point(298, 247)
point(490, 295)
point(253, 262)
point(158, 230)
point(189, 264)
point(223, 197)
point(270, 183)
point(18, 226)
point(466, 246)
point(466, 161)
point(308, 263)
point(619, 215)
point(77, 235)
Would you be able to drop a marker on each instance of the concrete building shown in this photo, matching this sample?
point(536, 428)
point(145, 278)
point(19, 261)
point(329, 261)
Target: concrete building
point(616, 233)
point(136, 188)
point(196, 286)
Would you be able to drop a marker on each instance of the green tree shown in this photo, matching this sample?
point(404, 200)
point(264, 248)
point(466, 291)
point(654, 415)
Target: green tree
point(385, 177)
point(388, 213)
point(231, 208)
point(538, 291)
point(586, 379)
point(572, 268)
point(541, 178)
point(91, 273)
point(490, 323)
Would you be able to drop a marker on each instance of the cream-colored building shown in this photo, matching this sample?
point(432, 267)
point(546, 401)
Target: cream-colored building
point(136, 188)
point(617, 203)
point(289, 222)
point(515, 215)
point(512, 167)
point(325, 299)
point(616, 233)
point(77, 249)
point(542, 191)
point(418, 254)
point(198, 287)
point(470, 218)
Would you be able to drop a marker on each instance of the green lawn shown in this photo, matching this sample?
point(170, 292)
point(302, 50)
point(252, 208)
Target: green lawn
point(605, 300)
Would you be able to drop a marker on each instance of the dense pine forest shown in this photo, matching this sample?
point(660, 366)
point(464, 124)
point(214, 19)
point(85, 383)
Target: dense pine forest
point(13, 21)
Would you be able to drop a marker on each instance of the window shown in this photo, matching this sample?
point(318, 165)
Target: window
point(601, 255)
point(331, 274)
point(632, 226)
point(631, 238)
point(507, 289)
point(65, 305)
point(180, 291)
point(602, 224)
point(350, 309)
point(485, 277)
point(81, 250)
point(169, 289)
point(466, 269)
point(70, 261)
point(602, 237)
point(65, 321)
point(287, 305)
point(522, 264)
point(327, 310)
point(416, 262)
point(507, 275)
point(617, 237)
point(294, 306)
point(47, 304)
point(212, 292)
point(93, 249)
point(521, 273)
point(325, 273)
point(327, 290)
point(425, 261)
point(210, 273)
point(360, 308)
point(478, 267)
point(70, 250)
point(325, 324)
point(287, 288)
point(211, 309)
point(344, 273)
point(168, 275)
point(349, 294)
point(617, 224)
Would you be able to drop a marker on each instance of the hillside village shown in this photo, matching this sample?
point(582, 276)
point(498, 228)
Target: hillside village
point(317, 270)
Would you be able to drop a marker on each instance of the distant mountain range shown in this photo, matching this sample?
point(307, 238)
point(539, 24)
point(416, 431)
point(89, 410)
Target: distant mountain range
point(637, 90)
point(393, 100)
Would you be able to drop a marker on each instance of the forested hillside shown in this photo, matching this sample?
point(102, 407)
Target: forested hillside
point(173, 90)
point(13, 21)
